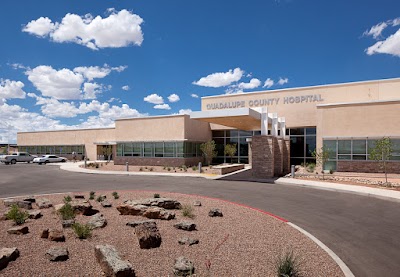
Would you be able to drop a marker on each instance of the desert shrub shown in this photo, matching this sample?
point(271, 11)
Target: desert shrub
point(156, 195)
point(169, 169)
point(91, 195)
point(82, 231)
point(115, 194)
point(194, 168)
point(145, 167)
point(67, 212)
point(288, 265)
point(164, 167)
point(18, 216)
point(141, 169)
point(311, 167)
point(67, 199)
point(187, 211)
point(330, 171)
point(100, 198)
point(151, 169)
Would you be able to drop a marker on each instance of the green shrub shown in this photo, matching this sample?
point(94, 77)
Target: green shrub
point(82, 231)
point(100, 198)
point(288, 265)
point(91, 195)
point(67, 212)
point(115, 194)
point(18, 216)
point(156, 195)
point(194, 168)
point(169, 169)
point(67, 199)
point(187, 211)
point(311, 167)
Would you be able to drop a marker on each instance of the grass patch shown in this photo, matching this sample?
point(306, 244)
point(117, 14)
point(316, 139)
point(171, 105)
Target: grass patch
point(67, 199)
point(187, 211)
point(67, 212)
point(82, 231)
point(115, 194)
point(19, 217)
point(92, 195)
point(288, 265)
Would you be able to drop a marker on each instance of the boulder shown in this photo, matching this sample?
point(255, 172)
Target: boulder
point(30, 199)
point(97, 221)
point(165, 203)
point(35, 214)
point(20, 203)
point(43, 203)
point(67, 223)
point(7, 255)
point(187, 226)
point(111, 263)
point(82, 207)
point(56, 235)
point(79, 196)
point(158, 213)
point(56, 254)
point(215, 212)
point(128, 209)
point(45, 234)
point(188, 241)
point(183, 267)
point(197, 203)
point(136, 223)
point(148, 235)
point(106, 204)
point(18, 230)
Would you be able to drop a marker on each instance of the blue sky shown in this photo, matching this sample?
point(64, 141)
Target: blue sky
point(81, 64)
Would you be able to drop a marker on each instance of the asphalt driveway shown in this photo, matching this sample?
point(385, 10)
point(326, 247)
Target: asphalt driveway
point(362, 231)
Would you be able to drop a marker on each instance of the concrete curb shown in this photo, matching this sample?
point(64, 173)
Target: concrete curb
point(380, 193)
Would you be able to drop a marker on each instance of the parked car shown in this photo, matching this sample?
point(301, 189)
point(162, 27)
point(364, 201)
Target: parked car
point(17, 157)
point(49, 159)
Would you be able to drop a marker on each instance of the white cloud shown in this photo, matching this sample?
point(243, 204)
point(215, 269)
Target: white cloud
point(162, 107)
point(254, 83)
point(389, 45)
point(220, 79)
point(119, 29)
point(60, 84)
point(194, 95)
point(185, 111)
point(19, 66)
point(11, 89)
point(376, 30)
point(112, 99)
point(154, 99)
point(283, 81)
point(126, 88)
point(268, 83)
point(40, 27)
point(95, 72)
point(173, 98)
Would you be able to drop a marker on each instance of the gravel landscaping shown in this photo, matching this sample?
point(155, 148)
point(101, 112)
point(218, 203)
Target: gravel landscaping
point(240, 242)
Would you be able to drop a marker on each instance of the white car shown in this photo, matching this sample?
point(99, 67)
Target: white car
point(49, 159)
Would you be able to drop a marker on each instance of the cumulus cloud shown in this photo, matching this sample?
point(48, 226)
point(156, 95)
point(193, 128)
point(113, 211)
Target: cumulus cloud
point(154, 99)
point(283, 81)
point(91, 90)
point(185, 111)
point(254, 83)
point(389, 45)
point(173, 98)
point(220, 79)
point(268, 83)
point(118, 29)
point(126, 88)
point(162, 107)
point(194, 95)
point(11, 89)
point(97, 72)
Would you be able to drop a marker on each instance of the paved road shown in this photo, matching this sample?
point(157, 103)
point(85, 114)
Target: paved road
point(364, 232)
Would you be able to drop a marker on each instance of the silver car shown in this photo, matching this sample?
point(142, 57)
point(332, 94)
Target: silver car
point(49, 159)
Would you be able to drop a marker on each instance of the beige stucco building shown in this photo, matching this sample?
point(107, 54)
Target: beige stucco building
point(346, 118)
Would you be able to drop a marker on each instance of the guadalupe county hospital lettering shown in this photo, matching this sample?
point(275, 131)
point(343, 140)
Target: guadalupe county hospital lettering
point(265, 102)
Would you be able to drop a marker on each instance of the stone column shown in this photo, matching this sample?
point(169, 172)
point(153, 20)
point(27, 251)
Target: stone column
point(262, 156)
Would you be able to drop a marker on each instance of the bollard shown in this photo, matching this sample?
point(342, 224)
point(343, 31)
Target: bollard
point(127, 166)
point(292, 171)
point(199, 167)
point(85, 162)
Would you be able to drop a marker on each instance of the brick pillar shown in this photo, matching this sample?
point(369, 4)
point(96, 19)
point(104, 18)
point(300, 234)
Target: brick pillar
point(285, 156)
point(263, 156)
point(250, 153)
point(278, 156)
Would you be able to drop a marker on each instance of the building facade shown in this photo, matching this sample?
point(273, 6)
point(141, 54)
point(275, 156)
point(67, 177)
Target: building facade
point(346, 118)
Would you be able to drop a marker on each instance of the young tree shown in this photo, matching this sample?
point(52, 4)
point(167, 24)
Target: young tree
point(208, 149)
point(321, 157)
point(230, 150)
point(107, 152)
point(381, 152)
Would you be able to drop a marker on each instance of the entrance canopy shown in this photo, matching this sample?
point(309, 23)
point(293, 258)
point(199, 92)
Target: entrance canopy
point(244, 119)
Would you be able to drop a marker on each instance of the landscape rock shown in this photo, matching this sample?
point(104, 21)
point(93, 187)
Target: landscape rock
point(56, 254)
point(44, 203)
point(158, 213)
point(35, 214)
point(183, 267)
point(20, 203)
point(97, 221)
point(106, 204)
point(67, 223)
point(30, 199)
point(18, 230)
point(56, 235)
point(197, 203)
point(188, 241)
point(136, 223)
point(79, 196)
point(82, 207)
point(128, 209)
point(165, 203)
point(45, 234)
point(215, 212)
point(7, 255)
point(148, 235)
point(58, 207)
point(187, 226)
point(111, 263)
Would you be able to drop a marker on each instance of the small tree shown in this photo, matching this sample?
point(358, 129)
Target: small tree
point(321, 157)
point(208, 149)
point(107, 152)
point(382, 152)
point(230, 150)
